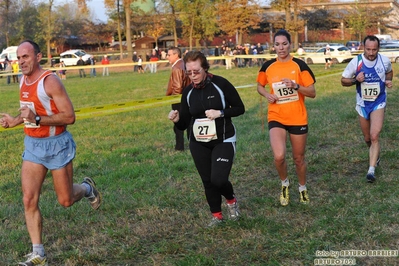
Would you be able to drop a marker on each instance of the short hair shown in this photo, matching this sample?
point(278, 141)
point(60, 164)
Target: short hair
point(371, 38)
point(282, 32)
point(35, 46)
point(176, 50)
point(197, 55)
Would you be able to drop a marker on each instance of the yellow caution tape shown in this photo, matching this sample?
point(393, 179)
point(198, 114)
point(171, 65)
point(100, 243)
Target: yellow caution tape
point(115, 108)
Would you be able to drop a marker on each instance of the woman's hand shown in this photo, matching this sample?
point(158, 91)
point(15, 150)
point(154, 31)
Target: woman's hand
point(174, 116)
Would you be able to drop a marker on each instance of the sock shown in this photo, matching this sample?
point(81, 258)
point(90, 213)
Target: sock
point(371, 170)
point(231, 201)
point(302, 188)
point(285, 183)
point(88, 189)
point(218, 215)
point(39, 249)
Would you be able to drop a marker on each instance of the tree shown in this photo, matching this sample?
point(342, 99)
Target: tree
point(238, 16)
point(46, 18)
point(292, 23)
point(155, 26)
point(5, 13)
point(361, 18)
point(198, 19)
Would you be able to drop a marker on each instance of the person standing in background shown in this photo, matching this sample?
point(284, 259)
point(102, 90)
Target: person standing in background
point(177, 82)
point(153, 59)
point(81, 70)
point(105, 63)
point(92, 61)
point(135, 59)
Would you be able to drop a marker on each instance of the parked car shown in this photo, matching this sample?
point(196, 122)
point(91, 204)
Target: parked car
point(390, 50)
point(71, 57)
point(353, 45)
point(339, 54)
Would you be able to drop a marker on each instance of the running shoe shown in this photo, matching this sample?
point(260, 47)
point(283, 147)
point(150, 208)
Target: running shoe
point(303, 197)
point(234, 213)
point(34, 259)
point(370, 177)
point(284, 196)
point(215, 222)
point(95, 197)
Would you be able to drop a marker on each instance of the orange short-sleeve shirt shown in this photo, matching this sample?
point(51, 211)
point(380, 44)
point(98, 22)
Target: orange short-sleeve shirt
point(290, 110)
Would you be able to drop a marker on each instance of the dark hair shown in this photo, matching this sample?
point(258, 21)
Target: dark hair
point(176, 50)
point(371, 38)
point(197, 55)
point(36, 47)
point(282, 32)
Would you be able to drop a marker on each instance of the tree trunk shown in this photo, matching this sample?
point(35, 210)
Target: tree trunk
point(128, 30)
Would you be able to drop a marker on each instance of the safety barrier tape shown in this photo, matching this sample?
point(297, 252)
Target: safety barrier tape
point(110, 109)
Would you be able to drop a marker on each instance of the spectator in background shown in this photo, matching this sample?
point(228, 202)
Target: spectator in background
point(300, 50)
point(6, 62)
point(81, 70)
point(229, 57)
point(147, 59)
point(105, 62)
point(135, 59)
point(9, 72)
point(327, 57)
point(140, 64)
point(217, 54)
point(153, 59)
point(177, 82)
point(353, 47)
point(163, 55)
point(15, 71)
point(92, 61)
point(62, 71)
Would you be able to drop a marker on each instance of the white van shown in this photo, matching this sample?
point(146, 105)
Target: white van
point(10, 52)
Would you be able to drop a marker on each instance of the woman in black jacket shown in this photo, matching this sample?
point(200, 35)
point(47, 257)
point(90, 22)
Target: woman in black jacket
point(207, 106)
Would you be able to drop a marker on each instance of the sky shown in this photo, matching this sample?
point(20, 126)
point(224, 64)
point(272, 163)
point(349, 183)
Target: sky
point(98, 10)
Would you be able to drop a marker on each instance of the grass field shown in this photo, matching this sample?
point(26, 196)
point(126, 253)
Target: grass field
point(154, 210)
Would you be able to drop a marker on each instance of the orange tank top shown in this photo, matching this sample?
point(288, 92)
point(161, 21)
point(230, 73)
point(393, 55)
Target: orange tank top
point(34, 96)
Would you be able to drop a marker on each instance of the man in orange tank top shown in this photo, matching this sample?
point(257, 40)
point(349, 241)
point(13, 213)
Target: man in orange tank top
point(45, 110)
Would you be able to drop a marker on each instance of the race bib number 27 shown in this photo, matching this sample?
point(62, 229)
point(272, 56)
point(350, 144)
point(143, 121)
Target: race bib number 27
point(204, 130)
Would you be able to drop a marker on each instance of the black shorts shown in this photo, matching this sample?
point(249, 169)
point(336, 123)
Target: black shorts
point(295, 130)
point(328, 60)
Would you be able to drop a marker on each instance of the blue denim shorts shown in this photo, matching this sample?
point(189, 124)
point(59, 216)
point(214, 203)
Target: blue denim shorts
point(52, 152)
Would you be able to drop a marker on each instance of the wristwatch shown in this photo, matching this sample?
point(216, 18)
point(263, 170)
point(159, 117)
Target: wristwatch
point(221, 113)
point(37, 119)
point(297, 87)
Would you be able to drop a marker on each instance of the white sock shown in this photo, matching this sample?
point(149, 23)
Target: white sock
point(39, 249)
point(285, 182)
point(302, 188)
point(371, 170)
point(88, 189)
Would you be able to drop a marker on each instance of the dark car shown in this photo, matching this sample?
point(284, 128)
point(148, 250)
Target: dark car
point(353, 45)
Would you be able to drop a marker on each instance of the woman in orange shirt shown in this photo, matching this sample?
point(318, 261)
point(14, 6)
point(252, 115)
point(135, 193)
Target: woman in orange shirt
point(290, 81)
